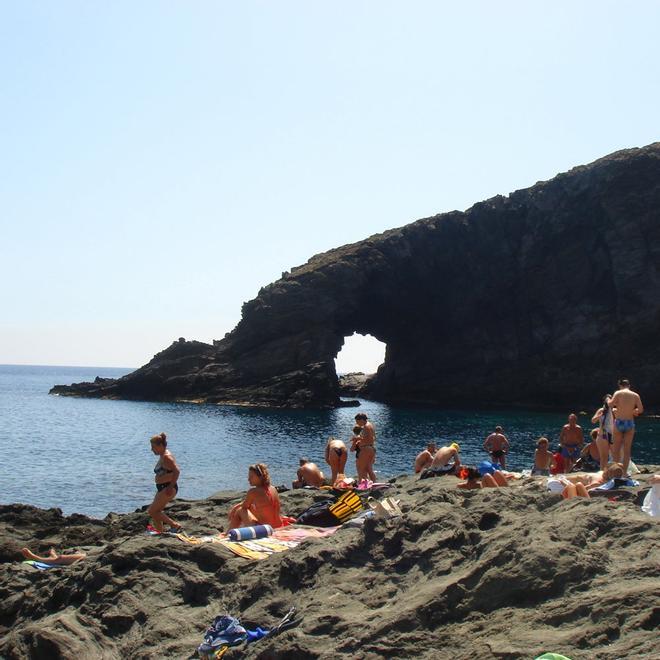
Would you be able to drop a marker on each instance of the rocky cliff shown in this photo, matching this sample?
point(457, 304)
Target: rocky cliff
point(543, 297)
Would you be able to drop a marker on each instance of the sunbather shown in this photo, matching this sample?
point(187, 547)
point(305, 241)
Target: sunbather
point(474, 479)
point(336, 457)
point(444, 455)
point(425, 458)
point(580, 483)
point(262, 503)
point(53, 559)
point(309, 474)
point(166, 475)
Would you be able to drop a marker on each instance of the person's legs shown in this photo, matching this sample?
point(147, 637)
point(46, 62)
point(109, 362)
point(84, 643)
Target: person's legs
point(581, 490)
point(368, 456)
point(234, 518)
point(574, 490)
point(603, 452)
point(617, 445)
point(333, 462)
point(342, 464)
point(487, 481)
point(361, 464)
point(156, 511)
point(627, 449)
point(499, 478)
point(54, 558)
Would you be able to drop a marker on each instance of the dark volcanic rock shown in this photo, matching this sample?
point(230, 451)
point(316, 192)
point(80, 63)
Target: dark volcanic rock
point(355, 384)
point(493, 573)
point(541, 297)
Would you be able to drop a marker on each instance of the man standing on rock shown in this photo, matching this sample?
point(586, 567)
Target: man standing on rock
point(571, 440)
point(626, 405)
point(497, 445)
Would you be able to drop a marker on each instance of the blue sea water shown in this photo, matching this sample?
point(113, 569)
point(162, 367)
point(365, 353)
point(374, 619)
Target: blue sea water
point(92, 456)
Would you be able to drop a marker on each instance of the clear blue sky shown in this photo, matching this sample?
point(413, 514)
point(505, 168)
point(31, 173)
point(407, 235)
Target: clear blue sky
point(161, 161)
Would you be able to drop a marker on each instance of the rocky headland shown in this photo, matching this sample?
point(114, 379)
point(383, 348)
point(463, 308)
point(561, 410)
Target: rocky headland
point(542, 297)
point(496, 573)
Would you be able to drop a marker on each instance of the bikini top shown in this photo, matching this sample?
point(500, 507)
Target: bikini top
point(160, 470)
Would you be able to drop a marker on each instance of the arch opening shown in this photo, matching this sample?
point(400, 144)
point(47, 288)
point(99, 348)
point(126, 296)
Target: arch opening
point(360, 353)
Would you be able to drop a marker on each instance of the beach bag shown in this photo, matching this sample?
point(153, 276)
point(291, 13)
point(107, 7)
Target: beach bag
point(387, 508)
point(331, 514)
point(318, 515)
point(248, 533)
point(346, 506)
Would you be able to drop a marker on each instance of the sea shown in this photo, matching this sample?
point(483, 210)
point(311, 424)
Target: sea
point(93, 456)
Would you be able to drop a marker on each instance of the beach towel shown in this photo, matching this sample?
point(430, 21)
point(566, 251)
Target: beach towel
point(651, 504)
point(302, 532)
point(41, 566)
point(617, 483)
point(258, 548)
point(246, 533)
point(358, 521)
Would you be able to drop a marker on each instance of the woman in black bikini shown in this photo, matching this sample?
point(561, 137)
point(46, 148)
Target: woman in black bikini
point(166, 476)
point(336, 456)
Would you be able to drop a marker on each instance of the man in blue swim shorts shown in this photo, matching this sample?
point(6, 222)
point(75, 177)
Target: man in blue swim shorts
point(626, 405)
point(571, 440)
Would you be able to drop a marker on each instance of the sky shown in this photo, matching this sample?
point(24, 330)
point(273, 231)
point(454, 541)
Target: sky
point(162, 161)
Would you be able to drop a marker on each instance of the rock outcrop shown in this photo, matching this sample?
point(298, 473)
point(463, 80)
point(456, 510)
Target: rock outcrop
point(506, 573)
point(543, 297)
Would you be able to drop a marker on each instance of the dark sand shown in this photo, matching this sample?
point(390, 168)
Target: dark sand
point(506, 573)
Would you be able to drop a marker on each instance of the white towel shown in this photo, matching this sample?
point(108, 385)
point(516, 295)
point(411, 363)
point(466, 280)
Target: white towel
point(651, 503)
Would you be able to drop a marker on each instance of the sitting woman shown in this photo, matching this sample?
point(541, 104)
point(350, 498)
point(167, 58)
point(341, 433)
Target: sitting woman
point(580, 484)
point(53, 559)
point(474, 479)
point(262, 503)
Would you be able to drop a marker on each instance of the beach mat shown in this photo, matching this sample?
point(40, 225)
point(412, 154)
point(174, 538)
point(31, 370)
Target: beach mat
point(258, 548)
point(39, 565)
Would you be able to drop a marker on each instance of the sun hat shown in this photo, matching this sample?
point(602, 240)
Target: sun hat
point(456, 446)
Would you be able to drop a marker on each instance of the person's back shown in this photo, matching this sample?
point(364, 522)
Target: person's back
point(265, 504)
point(627, 403)
point(425, 457)
point(311, 475)
point(444, 455)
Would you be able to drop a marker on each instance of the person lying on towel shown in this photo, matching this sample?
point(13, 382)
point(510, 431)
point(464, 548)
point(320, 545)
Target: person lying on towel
point(54, 559)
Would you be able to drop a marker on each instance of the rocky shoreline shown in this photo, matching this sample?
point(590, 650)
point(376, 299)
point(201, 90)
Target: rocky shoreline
point(495, 573)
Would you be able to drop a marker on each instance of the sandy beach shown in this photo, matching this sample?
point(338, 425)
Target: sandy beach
point(497, 573)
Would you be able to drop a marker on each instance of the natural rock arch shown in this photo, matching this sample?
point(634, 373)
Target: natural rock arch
point(541, 297)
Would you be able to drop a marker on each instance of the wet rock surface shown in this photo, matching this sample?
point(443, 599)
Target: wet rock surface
point(495, 573)
point(543, 297)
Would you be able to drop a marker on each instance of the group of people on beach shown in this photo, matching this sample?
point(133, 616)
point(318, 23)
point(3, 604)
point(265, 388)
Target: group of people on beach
point(262, 504)
point(611, 440)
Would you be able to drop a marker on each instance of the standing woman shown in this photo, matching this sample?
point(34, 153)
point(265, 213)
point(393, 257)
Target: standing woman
point(367, 448)
point(336, 456)
point(166, 476)
point(605, 420)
